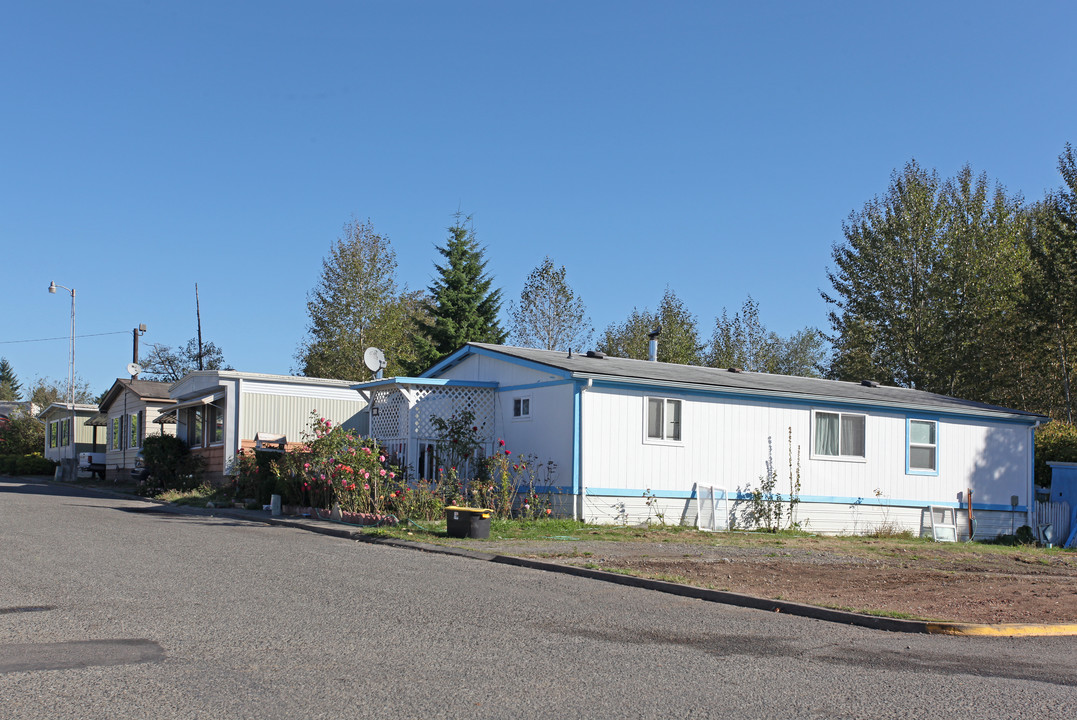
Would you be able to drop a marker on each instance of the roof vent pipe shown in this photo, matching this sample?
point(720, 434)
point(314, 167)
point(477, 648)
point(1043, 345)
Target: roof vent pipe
point(652, 346)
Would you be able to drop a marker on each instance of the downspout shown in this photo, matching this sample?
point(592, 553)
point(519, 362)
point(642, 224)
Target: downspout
point(1031, 509)
point(238, 413)
point(578, 488)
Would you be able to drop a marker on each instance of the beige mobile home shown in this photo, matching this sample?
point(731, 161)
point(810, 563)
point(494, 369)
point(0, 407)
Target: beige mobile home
point(220, 412)
point(58, 436)
point(130, 409)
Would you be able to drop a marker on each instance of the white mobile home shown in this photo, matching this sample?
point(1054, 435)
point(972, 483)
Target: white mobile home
point(624, 432)
point(220, 412)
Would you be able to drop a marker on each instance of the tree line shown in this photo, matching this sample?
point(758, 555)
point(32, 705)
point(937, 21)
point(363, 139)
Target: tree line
point(949, 285)
point(958, 287)
point(358, 303)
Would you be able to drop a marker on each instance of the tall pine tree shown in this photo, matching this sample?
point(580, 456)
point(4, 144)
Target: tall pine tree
point(462, 306)
point(10, 388)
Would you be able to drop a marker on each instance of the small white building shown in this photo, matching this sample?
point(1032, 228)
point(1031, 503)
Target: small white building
point(220, 412)
point(60, 443)
point(628, 439)
point(130, 409)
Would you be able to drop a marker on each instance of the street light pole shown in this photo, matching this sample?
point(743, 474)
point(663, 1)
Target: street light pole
point(70, 470)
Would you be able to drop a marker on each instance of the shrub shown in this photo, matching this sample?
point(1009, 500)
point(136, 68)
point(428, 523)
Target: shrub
point(21, 435)
point(30, 464)
point(171, 464)
point(1055, 442)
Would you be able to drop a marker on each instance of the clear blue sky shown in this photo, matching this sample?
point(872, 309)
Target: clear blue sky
point(712, 147)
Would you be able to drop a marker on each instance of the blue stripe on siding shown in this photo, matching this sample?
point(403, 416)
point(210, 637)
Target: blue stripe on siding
point(821, 499)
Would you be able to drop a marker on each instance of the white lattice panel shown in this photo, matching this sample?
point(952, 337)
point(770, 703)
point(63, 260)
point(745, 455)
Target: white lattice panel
point(444, 402)
point(392, 408)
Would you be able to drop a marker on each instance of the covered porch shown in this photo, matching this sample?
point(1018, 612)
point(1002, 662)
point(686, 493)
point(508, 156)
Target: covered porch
point(401, 413)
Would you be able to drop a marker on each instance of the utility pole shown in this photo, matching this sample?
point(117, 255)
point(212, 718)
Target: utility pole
point(136, 332)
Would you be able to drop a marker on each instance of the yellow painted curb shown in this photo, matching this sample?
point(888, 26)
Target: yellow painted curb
point(1001, 630)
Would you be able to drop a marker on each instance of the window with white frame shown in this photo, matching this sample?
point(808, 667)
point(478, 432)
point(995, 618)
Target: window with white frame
point(114, 441)
point(521, 408)
point(839, 435)
point(134, 427)
point(923, 446)
point(65, 432)
point(54, 433)
point(663, 419)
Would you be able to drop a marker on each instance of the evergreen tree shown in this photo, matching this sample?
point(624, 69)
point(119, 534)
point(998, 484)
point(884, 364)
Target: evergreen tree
point(744, 342)
point(355, 306)
point(10, 388)
point(550, 316)
point(462, 307)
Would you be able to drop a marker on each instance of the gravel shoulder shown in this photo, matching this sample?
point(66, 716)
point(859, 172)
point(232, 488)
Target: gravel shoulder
point(912, 579)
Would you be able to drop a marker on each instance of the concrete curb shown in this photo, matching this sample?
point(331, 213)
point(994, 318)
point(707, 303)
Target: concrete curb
point(872, 622)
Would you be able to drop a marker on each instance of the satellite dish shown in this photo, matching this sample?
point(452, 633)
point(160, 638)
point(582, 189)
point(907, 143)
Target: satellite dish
point(133, 368)
point(374, 359)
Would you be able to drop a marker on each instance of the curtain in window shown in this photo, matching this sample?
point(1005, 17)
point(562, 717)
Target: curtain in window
point(654, 417)
point(826, 434)
point(673, 413)
point(852, 435)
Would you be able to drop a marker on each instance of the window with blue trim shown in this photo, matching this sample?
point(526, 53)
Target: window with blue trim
point(923, 450)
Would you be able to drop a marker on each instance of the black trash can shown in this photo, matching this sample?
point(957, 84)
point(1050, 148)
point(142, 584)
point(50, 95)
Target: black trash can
point(462, 522)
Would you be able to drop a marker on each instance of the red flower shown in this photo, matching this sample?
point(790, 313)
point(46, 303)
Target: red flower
point(501, 443)
point(508, 452)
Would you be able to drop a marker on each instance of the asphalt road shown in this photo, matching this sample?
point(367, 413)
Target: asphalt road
point(108, 611)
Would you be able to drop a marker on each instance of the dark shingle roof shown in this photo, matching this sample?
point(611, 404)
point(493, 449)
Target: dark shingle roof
point(145, 389)
point(751, 383)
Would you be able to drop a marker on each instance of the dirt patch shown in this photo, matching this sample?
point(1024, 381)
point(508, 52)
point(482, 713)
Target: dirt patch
point(982, 584)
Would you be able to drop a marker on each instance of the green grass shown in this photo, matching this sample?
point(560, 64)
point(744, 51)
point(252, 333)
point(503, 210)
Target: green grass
point(197, 497)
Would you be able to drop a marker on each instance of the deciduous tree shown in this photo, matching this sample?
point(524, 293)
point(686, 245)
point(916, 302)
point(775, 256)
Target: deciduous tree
point(550, 315)
point(167, 364)
point(357, 305)
point(46, 391)
point(678, 341)
point(926, 284)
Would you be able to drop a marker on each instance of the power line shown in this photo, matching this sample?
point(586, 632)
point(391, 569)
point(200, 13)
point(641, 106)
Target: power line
point(65, 337)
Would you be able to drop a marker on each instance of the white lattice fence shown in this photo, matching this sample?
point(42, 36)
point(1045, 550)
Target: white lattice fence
point(444, 402)
point(389, 408)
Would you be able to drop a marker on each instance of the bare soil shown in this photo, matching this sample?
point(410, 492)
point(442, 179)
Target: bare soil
point(903, 578)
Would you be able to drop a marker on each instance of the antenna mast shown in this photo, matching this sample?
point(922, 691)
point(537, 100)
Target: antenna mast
point(198, 315)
